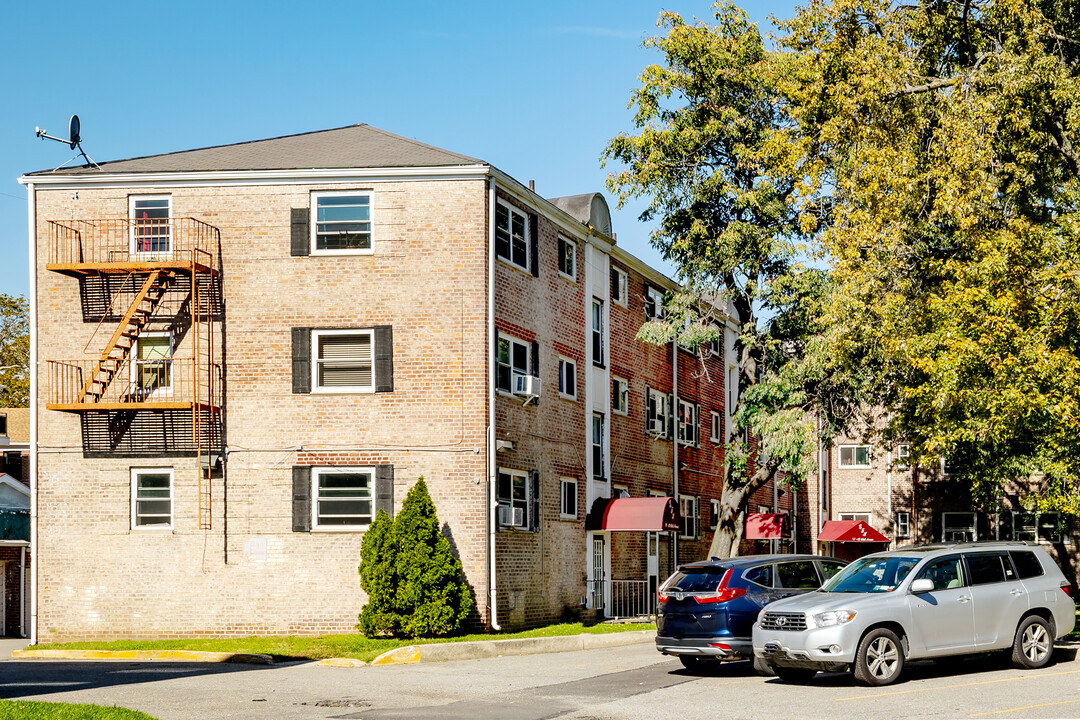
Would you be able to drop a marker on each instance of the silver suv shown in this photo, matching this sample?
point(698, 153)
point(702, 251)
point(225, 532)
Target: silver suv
point(920, 602)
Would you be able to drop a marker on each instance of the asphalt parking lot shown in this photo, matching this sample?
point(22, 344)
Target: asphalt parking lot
point(625, 682)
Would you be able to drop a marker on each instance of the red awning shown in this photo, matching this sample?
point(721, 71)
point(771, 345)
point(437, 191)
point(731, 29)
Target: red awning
point(643, 514)
point(765, 526)
point(849, 531)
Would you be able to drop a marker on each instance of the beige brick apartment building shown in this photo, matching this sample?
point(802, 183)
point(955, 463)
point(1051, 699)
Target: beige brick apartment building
point(243, 352)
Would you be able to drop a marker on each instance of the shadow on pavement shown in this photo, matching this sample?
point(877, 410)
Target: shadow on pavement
point(26, 679)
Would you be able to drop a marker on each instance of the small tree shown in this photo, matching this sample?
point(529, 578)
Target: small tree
point(413, 581)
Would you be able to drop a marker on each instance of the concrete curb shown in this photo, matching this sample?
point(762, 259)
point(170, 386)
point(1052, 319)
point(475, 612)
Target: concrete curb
point(144, 656)
point(444, 652)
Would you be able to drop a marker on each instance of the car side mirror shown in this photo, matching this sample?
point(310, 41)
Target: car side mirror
point(922, 585)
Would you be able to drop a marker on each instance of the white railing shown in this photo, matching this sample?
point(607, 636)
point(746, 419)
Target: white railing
point(629, 599)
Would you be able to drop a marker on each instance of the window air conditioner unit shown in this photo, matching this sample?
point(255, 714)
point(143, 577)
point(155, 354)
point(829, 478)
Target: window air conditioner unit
point(511, 516)
point(657, 426)
point(528, 385)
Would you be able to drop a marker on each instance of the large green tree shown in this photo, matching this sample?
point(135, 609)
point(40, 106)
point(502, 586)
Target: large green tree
point(14, 352)
point(945, 137)
point(724, 207)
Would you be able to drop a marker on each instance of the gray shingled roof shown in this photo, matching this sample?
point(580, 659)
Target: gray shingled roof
point(356, 146)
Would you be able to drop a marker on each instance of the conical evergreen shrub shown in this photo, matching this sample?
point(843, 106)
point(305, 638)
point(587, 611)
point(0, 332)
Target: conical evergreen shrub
point(414, 583)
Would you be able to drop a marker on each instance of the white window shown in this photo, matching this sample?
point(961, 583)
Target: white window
point(342, 497)
point(903, 457)
point(1037, 527)
point(714, 426)
point(152, 370)
point(619, 491)
point(903, 524)
point(716, 344)
point(599, 456)
point(958, 527)
point(620, 294)
point(690, 526)
point(511, 235)
point(949, 466)
point(152, 498)
point(151, 220)
point(567, 257)
point(597, 325)
point(342, 223)
point(620, 396)
point(513, 494)
point(567, 378)
point(856, 517)
point(513, 359)
point(654, 302)
point(568, 499)
point(344, 361)
point(658, 413)
point(714, 514)
point(732, 389)
point(854, 456)
point(689, 427)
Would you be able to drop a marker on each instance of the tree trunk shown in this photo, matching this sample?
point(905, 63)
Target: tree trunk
point(733, 499)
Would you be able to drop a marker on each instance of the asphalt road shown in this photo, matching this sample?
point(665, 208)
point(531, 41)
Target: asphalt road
point(625, 683)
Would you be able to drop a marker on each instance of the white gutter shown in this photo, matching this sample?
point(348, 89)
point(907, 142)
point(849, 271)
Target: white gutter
point(888, 482)
point(675, 444)
point(22, 592)
point(493, 504)
point(35, 549)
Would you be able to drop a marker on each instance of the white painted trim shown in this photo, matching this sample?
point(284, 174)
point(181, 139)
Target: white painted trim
point(573, 246)
point(577, 382)
point(317, 389)
point(34, 379)
point(527, 236)
point(134, 365)
point(314, 490)
point(566, 516)
point(313, 221)
point(133, 239)
point(135, 472)
point(854, 465)
point(626, 389)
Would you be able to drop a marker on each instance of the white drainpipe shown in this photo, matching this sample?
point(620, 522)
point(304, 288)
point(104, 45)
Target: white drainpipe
point(493, 504)
point(35, 553)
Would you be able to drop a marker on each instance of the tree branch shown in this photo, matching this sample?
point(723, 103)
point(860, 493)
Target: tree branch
point(1064, 146)
point(935, 84)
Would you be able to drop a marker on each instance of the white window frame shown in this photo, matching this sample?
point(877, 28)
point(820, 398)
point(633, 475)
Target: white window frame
point(689, 432)
point(619, 490)
point(689, 514)
point(317, 472)
point(567, 242)
point(313, 221)
point(714, 427)
point(621, 388)
point(136, 388)
point(622, 289)
point(511, 340)
point(524, 503)
point(903, 524)
point(655, 297)
point(317, 335)
point(948, 526)
point(567, 365)
point(598, 342)
point(663, 410)
point(565, 492)
point(903, 456)
point(598, 447)
point(853, 463)
point(511, 211)
point(134, 237)
point(1035, 535)
point(855, 517)
point(946, 468)
point(135, 515)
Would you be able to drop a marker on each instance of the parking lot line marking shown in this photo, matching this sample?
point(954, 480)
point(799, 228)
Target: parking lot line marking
point(1026, 707)
point(961, 685)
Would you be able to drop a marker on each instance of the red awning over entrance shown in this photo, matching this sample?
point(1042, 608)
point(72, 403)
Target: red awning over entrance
point(765, 526)
point(849, 531)
point(647, 514)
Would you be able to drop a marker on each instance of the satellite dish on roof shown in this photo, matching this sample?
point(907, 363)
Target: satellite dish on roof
point(73, 131)
point(74, 139)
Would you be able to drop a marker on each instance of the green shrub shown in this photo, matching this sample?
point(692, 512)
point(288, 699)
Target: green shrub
point(413, 581)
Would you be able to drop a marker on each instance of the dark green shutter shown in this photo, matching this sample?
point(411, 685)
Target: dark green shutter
point(301, 233)
point(534, 244)
point(534, 515)
point(384, 358)
point(534, 352)
point(301, 360)
point(384, 489)
point(301, 498)
point(671, 416)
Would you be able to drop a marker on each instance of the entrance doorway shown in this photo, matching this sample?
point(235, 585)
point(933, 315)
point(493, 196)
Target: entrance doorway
point(598, 559)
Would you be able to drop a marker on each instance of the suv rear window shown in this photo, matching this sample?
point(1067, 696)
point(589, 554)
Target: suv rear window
point(696, 580)
point(986, 568)
point(1027, 564)
point(762, 575)
point(798, 574)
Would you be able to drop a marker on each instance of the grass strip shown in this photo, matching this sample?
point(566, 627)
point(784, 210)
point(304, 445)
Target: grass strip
point(26, 710)
point(327, 646)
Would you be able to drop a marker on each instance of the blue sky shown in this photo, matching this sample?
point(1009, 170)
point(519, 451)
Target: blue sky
point(535, 89)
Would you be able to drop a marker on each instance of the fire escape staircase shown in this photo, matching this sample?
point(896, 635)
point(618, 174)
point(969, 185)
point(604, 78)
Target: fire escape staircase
point(117, 351)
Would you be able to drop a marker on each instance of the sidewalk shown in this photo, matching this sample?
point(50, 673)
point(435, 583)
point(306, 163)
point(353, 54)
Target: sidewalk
point(10, 645)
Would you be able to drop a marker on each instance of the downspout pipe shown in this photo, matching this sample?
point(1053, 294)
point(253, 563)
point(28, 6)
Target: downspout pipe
point(493, 504)
point(35, 547)
point(675, 442)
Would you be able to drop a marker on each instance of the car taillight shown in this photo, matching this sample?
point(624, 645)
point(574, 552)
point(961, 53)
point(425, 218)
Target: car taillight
point(661, 596)
point(1067, 588)
point(721, 595)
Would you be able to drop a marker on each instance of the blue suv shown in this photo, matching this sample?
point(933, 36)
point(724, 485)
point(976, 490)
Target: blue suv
point(706, 610)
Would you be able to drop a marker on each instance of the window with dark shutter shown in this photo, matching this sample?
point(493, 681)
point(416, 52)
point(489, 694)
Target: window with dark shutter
point(300, 239)
point(534, 501)
point(301, 360)
point(384, 358)
point(384, 489)
point(301, 500)
point(534, 244)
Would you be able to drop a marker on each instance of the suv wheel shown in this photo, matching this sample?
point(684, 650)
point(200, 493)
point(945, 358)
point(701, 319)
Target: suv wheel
point(699, 664)
point(880, 658)
point(794, 675)
point(1034, 643)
